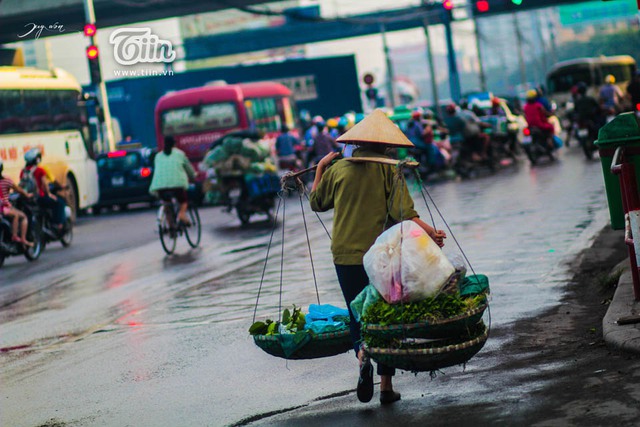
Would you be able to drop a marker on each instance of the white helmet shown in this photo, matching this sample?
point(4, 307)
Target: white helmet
point(31, 155)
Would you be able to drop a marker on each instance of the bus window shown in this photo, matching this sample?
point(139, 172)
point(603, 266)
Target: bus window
point(67, 114)
point(563, 80)
point(622, 72)
point(211, 117)
point(11, 112)
point(264, 113)
point(37, 105)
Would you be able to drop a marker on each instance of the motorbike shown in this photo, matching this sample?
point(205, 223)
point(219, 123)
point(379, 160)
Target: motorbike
point(10, 248)
point(536, 144)
point(586, 134)
point(49, 232)
point(250, 196)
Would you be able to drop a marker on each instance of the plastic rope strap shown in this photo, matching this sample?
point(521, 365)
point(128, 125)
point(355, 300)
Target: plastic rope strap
point(423, 189)
point(266, 259)
point(318, 216)
point(306, 232)
point(284, 207)
point(399, 180)
point(420, 184)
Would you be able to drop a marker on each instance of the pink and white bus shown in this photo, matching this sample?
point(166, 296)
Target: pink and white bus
point(197, 117)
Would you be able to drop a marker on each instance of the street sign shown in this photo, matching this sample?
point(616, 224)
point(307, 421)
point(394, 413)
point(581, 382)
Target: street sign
point(594, 12)
point(368, 79)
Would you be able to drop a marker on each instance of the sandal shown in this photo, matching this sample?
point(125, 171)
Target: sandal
point(365, 382)
point(389, 396)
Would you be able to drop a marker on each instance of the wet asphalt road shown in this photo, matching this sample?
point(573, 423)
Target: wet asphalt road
point(112, 332)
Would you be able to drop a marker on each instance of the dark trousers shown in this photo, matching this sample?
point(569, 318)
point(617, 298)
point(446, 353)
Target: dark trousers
point(56, 206)
point(353, 279)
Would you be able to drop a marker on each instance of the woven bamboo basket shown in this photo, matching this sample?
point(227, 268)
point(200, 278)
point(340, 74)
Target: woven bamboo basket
point(321, 345)
point(429, 359)
point(442, 328)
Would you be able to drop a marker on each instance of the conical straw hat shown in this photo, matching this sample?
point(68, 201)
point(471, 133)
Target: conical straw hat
point(376, 128)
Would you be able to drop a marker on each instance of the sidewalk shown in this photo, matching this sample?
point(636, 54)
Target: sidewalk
point(623, 304)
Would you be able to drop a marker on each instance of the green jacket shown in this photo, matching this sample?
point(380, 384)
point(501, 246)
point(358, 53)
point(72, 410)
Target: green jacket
point(360, 194)
point(172, 171)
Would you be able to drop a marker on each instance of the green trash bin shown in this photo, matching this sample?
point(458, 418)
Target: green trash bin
point(623, 131)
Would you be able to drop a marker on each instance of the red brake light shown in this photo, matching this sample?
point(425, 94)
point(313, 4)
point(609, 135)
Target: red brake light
point(145, 172)
point(638, 106)
point(120, 153)
point(527, 132)
point(447, 4)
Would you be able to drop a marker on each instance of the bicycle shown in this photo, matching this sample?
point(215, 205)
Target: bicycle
point(169, 228)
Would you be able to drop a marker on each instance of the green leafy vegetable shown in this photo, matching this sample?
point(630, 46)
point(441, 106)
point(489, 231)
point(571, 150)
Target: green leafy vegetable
point(441, 306)
point(292, 321)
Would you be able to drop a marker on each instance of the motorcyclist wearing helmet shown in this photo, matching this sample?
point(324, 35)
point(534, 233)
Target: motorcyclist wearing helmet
point(18, 218)
point(46, 199)
point(610, 95)
point(475, 140)
point(587, 109)
point(537, 116)
point(496, 109)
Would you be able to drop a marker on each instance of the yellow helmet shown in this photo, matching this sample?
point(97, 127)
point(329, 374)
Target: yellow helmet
point(332, 123)
point(532, 94)
point(610, 79)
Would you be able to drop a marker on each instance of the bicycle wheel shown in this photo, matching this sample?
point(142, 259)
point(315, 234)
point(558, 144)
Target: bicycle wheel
point(168, 235)
point(194, 232)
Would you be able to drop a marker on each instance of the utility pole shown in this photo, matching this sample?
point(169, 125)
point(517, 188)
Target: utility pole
point(523, 70)
point(90, 17)
point(432, 73)
point(390, 76)
point(552, 41)
point(483, 77)
point(543, 53)
point(454, 77)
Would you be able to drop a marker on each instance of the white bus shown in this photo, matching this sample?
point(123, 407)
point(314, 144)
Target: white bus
point(44, 109)
point(591, 71)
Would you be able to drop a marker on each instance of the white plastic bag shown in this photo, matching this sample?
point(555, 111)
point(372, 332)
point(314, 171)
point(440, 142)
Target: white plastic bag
point(413, 270)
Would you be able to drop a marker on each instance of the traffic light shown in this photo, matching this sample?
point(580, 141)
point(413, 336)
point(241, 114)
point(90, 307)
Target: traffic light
point(447, 6)
point(93, 56)
point(482, 6)
point(89, 30)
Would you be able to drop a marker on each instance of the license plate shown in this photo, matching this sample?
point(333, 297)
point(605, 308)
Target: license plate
point(583, 133)
point(234, 193)
point(117, 181)
point(526, 139)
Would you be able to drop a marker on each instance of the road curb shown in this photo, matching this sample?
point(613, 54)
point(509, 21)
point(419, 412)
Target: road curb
point(622, 337)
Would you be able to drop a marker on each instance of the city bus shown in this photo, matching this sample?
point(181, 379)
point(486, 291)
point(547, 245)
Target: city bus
point(199, 116)
point(591, 71)
point(44, 109)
